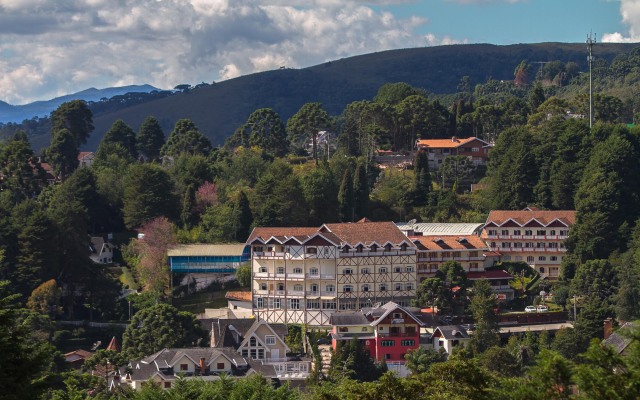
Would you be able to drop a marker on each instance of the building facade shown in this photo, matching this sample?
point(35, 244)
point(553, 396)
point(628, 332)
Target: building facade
point(532, 236)
point(438, 149)
point(304, 275)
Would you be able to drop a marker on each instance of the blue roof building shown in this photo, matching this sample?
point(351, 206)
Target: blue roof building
point(208, 258)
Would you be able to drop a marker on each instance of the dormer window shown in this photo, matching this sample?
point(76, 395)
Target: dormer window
point(253, 342)
point(345, 249)
point(374, 248)
point(359, 248)
point(312, 250)
point(403, 247)
point(387, 247)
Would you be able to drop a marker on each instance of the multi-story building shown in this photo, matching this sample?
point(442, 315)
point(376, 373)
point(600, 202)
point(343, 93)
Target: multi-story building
point(438, 149)
point(533, 236)
point(303, 275)
point(469, 251)
point(388, 331)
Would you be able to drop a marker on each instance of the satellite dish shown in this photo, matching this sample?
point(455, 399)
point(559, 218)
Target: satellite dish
point(96, 345)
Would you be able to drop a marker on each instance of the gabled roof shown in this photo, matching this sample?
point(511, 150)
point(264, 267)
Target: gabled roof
point(348, 318)
point(283, 233)
point(523, 217)
point(441, 228)
point(447, 143)
point(451, 332)
point(114, 345)
point(466, 242)
point(255, 327)
point(241, 295)
point(367, 232)
point(380, 313)
point(617, 340)
point(231, 333)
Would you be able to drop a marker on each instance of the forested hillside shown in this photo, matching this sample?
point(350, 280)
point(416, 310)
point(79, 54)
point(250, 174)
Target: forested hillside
point(175, 186)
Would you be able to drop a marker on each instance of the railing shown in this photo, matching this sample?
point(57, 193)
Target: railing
point(397, 334)
point(437, 259)
point(539, 237)
point(320, 293)
point(321, 276)
point(529, 249)
point(377, 253)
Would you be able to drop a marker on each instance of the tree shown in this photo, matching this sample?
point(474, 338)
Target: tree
point(160, 326)
point(63, 152)
point(549, 378)
point(420, 360)
point(120, 133)
point(307, 122)
point(263, 129)
point(521, 73)
point(243, 275)
point(186, 138)
point(536, 97)
point(150, 138)
point(360, 192)
point(321, 194)
point(152, 268)
point(45, 299)
point(21, 173)
point(27, 361)
point(76, 117)
point(499, 360)
point(148, 193)
point(282, 200)
point(486, 333)
point(345, 197)
point(421, 178)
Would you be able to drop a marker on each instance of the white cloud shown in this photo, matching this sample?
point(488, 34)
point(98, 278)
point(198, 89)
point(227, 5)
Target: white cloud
point(486, 1)
point(50, 48)
point(630, 12)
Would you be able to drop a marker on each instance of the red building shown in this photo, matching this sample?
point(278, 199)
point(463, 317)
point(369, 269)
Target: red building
point(389, 331)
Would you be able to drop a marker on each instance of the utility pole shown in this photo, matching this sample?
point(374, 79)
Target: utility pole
point(590, 42)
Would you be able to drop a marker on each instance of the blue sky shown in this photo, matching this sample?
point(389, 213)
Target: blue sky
point(50, 48)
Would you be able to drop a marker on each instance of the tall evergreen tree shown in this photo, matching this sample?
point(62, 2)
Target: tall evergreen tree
point(63, 152)
point(148, 193)
point(76, 117)
point(122, 134)
point(486, 333)
point(150, 138)
point(244, 217)
point(186, 138)
point(345, 197)
point(421, 178)
point(360, 192)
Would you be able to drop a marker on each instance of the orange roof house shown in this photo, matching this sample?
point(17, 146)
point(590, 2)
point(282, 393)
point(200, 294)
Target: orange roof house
point(475, 149)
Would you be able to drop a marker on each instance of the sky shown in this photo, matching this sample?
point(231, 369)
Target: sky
point(50, 48)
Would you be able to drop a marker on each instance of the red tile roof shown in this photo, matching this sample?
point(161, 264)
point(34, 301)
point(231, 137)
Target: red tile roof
point(446, 143)
point(367, 232)
point(498, 217)
point(466, 242)
point(281, 232)
point(241, 295)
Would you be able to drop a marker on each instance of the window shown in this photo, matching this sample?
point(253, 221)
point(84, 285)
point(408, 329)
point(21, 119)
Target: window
point(297, 287)
point(281, 270)
point(220, 365)
point(518, 258)
point(409, 268)
point(505, 232)
point(382, 270)
point(554, 258)
point(552, 245)
point(347, 271)
point(493, 244)
point(398, 269)
point(455, 254)
point(365, 288)
point(552, 232)
point(387, 247)
point(359, 248)
point(270, 340)
point(475, 149)
point(563, 233)
point(408, 343)
point(280, 286)
point(331, 288)
point(388, 343)
point(312, 250)
point(445, 254)
point(528, 233)
point(528, 245)
point(373, 248)
point(253, 342)
point(184, 367)
point(517, 244)
point(383, 287)
point(258, 249)
point(313, 271)
point(294, 304)
point(542, 258)
point(409, 286)
point(314, 287)
point(530, 259)
point(364, 270)
point(541, 232)
point(347, 288)
point(506, 258)
point(262, 269)
point(388, 356)
point(397, 315)
point(313, 304)
point(167, 385)
point(343, 329)
point(345, 249)
point(473, 265)
point(493, 232)
point(328, 304)
point(398, 286)
point(542, 270)
point(263, 286)
point(297, 270)
point(259, 302)
point(277, 303)
point(540, 245)
point(516, 232)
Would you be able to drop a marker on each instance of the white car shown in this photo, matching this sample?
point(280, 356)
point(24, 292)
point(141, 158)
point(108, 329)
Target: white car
point(530, 309)
point(543, 309)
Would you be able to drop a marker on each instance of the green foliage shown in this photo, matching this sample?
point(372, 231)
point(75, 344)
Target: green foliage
point(76, 117)
point(421, 178)
point(360, 192)
point(148, 193)
point(345, 198)
point(305, 124)
point(150, 138)
point(263, 129)
point(45, 299)
point(63, 152)
point(22, 176)
point(486, 333)
point(160, 326)
point(281, 198)
point(243, 275)
point(186, 138)
point(393, 93)
point(120, 133)
point(420, 360)
point(352, 360)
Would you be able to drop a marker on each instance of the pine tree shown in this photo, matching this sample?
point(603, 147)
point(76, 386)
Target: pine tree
point(421, 178)
point(150, 138)
point(360, 192)
point(345, 197)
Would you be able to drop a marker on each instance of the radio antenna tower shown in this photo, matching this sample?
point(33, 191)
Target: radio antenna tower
point(590, 42)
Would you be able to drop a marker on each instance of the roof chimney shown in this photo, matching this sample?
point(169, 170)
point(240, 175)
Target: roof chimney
point(454, 139)
point(608, 327)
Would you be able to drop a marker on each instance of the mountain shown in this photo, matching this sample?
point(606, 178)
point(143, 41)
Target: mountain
point(11, 113)
point(220, 108)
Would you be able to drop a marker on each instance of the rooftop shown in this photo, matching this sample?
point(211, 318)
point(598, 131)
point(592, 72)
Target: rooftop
point(447, 143)
point(465, 242)
point(444, 229)
point(523, 217)
point(207, 250)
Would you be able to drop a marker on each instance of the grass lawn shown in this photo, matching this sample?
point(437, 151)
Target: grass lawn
point(197, 302)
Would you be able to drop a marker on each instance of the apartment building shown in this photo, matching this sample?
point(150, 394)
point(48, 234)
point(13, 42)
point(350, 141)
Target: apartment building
point(304, 275)
point(438, 149)
point(534, 236)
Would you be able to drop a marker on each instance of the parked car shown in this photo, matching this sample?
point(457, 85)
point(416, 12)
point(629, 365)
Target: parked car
point(530, 309)
point(324, 340)
point(542, 308)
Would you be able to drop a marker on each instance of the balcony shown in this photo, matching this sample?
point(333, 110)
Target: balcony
point(321, 276)
point(320, 293)
point(521, 237)
point(397, 334)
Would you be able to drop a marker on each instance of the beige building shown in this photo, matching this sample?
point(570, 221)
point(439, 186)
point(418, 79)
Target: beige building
point(532, 236)
point(304, 275)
